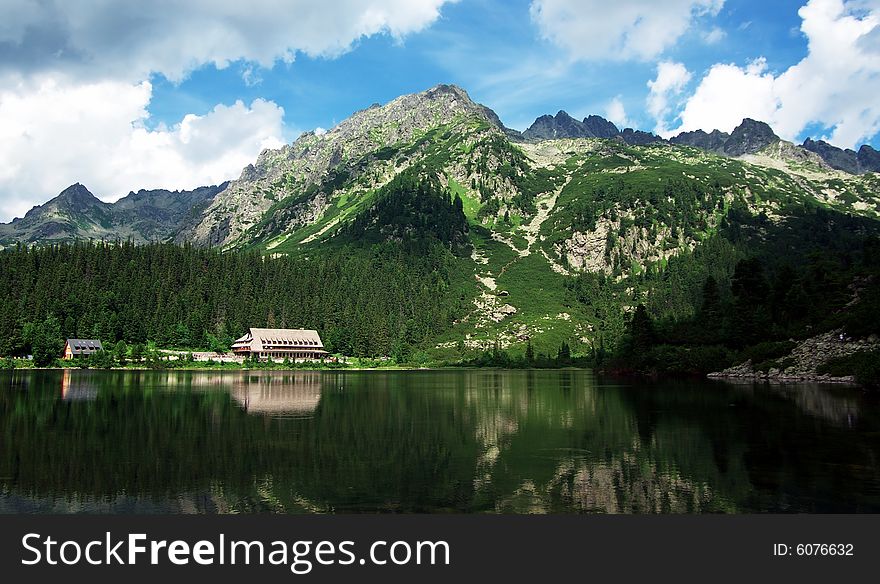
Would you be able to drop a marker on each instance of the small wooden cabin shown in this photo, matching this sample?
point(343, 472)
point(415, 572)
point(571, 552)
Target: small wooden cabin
point(279, 344)
point(74, 348)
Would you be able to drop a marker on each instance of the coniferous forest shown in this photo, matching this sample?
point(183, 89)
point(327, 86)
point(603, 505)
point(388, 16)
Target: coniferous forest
point(388, 283)
point(382, 302)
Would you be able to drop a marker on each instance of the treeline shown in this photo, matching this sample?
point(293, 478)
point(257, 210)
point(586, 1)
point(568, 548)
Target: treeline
point(530, 359)
point(364, 301)
point(736, 300)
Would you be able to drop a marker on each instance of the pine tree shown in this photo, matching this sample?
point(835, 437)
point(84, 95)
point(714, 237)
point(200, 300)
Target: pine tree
point(45, 341)
point(641, 330)
point(710, 310)
point(120, 353)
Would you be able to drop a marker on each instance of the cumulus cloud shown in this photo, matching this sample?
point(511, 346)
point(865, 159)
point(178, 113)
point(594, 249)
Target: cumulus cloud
point(131, 40)
point(57, 132)
point(74, 90)
point(616, 113)
point(670, 82)
point(621, 30)
point(836, 85)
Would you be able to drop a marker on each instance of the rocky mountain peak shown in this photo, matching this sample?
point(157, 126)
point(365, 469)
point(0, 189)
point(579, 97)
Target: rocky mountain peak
point(713, 142)
point(837, 158)
point(77, 196)
point(320, 164)
point(561, 125)
point(639, 138)
point(750, 137)
point(600, 127)
point(869, 159)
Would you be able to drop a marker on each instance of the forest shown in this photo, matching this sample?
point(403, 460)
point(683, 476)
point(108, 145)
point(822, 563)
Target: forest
point(374, 292)
point(749, 293)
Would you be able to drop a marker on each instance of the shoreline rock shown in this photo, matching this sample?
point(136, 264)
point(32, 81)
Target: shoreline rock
point(802, 364)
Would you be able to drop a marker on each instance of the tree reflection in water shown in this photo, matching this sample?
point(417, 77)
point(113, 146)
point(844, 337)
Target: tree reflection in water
point(447, 441)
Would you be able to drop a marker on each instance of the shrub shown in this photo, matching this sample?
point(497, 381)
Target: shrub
point(767, 351)
point(865, 366)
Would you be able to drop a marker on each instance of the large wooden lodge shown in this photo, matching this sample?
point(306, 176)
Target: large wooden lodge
point(280, 344)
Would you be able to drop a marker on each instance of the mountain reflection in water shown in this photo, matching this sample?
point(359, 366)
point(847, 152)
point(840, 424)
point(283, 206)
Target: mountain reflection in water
point(443, 441)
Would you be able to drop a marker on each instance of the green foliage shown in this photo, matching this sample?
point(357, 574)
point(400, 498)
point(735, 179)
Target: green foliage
point(45, 340)
point(362, 299)
point(120, 353)
point(100, 360)
point(767, 351)
point(682, 360)
point(415, 210)
point(137, 353)
point(865, 366)
point(749, 289)
point(641, 330)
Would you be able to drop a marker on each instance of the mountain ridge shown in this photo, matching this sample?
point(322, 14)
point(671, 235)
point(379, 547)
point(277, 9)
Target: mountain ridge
point(76, 213)
point(292, 187)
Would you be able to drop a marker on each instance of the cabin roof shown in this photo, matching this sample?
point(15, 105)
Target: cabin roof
point(84, 346)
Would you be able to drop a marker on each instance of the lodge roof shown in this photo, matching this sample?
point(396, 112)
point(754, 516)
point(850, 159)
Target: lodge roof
point(258, 339)
point(84, 346)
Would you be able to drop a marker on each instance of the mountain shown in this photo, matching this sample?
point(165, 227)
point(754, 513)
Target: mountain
point(327, 178)
point(845, 160)
point(563, 125)
point(869, 159)
point(543, 214)
point(560, 126)
point(640, 138)
point(600, 127)
point(750, 137)
point(425, 227)
point(76, 213)
point(865, 160)
point(713, 142)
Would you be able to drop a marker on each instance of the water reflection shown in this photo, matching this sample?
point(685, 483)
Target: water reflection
point(78, 386)
point(835, 404)
point(287, 395)
point(465, 441)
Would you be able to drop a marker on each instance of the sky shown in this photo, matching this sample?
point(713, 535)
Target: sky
point(123, 95)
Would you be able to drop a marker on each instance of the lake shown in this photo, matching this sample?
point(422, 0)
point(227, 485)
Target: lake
point(471, 441)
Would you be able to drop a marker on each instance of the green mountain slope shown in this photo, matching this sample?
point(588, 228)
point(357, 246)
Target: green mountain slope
point(550, 242)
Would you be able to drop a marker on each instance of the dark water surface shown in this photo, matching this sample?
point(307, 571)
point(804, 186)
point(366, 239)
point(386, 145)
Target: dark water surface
point(429, 441)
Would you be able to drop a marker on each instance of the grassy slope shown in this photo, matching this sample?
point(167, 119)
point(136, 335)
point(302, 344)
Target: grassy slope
point(546, 310)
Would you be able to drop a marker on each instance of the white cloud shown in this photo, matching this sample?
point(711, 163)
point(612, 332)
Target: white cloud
point(669, 84)
point(131, 40)
point(616, 113)
point(621, 30)
point(835, 85)
point(74, 94)
point(54, 133)
point(714, 36)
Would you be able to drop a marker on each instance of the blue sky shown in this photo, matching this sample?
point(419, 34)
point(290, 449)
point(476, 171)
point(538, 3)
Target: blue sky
point(472, 45)
point(164, 94)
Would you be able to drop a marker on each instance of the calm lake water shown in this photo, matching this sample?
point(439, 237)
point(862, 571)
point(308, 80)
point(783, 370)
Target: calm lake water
point(435, 441)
